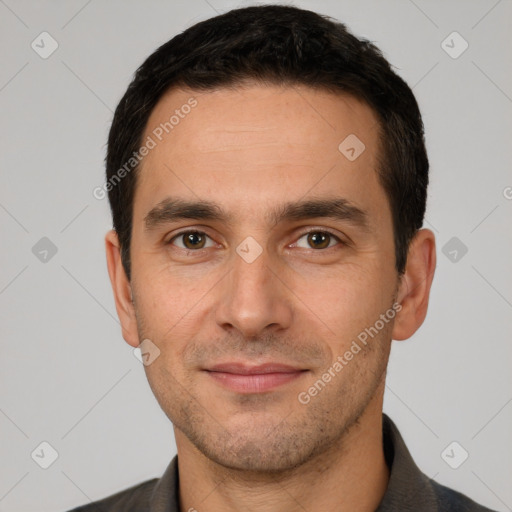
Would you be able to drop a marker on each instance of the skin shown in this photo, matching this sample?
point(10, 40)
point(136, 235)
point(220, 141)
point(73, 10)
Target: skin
point(250, 150)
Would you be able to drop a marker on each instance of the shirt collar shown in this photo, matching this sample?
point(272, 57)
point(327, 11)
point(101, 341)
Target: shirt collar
point(408, 488)
point(165, 497)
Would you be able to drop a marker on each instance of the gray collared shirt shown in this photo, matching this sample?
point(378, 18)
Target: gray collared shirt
point(408, 488)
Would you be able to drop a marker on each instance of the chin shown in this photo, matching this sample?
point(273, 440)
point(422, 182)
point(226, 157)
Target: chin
point(259, 449)
point(257, 457)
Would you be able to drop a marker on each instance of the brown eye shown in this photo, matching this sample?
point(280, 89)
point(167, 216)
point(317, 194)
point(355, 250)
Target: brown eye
point(318, 240)
point(191, 240)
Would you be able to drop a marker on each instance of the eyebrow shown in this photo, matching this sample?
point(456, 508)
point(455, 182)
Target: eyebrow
point(172, 209)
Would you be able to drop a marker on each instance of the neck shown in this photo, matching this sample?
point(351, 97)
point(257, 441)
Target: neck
point(350, 475)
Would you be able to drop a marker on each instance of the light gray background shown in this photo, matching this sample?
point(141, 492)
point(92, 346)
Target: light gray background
point(68, 377)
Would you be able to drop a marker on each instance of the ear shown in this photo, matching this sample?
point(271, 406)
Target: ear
point(122, 289)
point(415, 284)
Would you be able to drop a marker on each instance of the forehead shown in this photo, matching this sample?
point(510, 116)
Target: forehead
point(266, 142)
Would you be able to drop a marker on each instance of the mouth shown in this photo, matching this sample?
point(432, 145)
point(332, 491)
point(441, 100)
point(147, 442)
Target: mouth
point(243, 378)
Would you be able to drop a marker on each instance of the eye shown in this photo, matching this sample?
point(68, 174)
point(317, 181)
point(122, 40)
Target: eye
point(191, 240)
point(318, 240)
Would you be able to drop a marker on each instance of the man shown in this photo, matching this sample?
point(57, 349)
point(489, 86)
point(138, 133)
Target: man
point(267, 176)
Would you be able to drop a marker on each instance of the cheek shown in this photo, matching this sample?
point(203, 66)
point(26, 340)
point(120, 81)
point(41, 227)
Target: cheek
point(170, 294)
point(166, 314)
point(344, 286)
point(169, 388)
point(345, 301)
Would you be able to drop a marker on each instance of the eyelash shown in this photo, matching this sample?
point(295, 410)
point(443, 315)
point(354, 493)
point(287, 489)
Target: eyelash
point(322, 231)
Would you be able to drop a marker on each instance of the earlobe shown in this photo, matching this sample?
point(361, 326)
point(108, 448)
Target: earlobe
point(415, 285)
point(121, 288)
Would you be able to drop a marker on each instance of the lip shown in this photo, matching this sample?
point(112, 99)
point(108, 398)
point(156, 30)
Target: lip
point(243, 378)
point(247, 369)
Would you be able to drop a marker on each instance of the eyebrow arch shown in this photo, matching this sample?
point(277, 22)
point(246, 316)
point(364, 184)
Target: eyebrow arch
point(336, 208)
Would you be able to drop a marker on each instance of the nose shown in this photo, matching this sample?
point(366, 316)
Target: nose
point(254, 297)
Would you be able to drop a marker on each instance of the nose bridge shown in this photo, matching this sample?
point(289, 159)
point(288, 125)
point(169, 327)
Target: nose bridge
point(251, 270)
point(253, 297)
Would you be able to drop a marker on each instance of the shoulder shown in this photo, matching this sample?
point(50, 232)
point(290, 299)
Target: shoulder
point(450, 500)
point(155, 494)
point(409, 488)
point(132, 499)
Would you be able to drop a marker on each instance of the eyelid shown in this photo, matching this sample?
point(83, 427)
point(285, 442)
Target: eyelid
point(186, 231)
point(340, 239)
point(302, 233)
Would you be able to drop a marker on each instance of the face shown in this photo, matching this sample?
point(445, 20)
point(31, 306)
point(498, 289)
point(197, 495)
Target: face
point(288, 263)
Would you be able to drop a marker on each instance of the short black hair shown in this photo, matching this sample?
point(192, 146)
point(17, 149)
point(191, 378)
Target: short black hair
point(278, 45)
